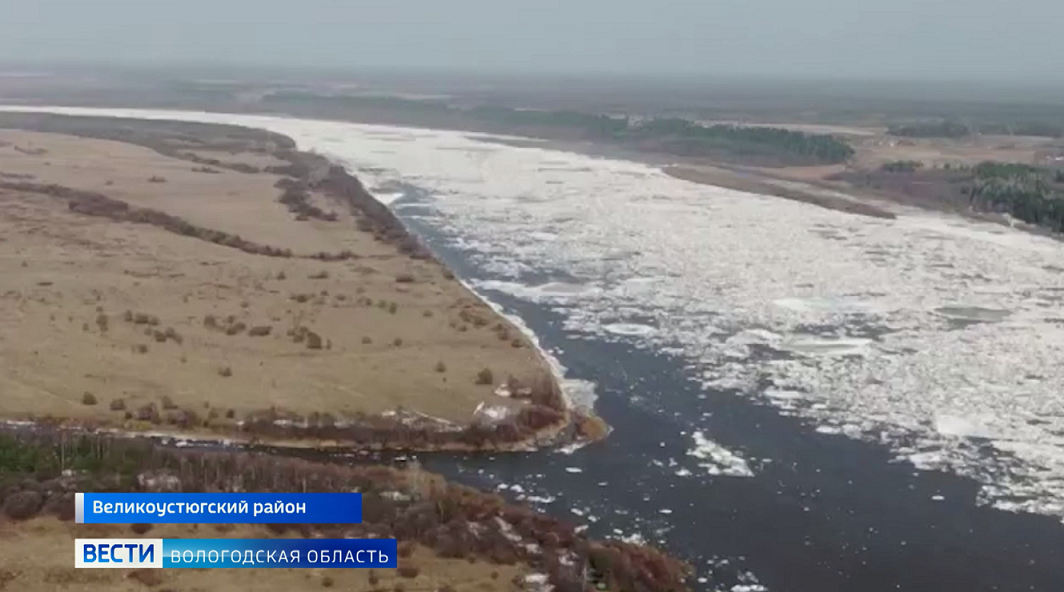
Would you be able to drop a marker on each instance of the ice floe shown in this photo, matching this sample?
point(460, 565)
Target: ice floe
point(929, 333)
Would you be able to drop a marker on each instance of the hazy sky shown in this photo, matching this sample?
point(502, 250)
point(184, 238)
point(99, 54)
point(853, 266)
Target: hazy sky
point(956, 39)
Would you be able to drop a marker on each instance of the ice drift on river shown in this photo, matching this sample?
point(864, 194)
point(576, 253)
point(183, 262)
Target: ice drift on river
point(932, 334)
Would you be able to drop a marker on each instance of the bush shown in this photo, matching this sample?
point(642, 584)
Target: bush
point(485, 377)
point(404, 278)
point(321, 275)
point(393, 307)
point(148, 413)
point(260, 331)
point(140, 528)
point(156, 179)
point(159, 336)
point(101, 322)
point(141, 348)
point(367, 340)
point(313, 340)
point(408, 571)
point(22, 505)
point(168, 403)
point(398, 341)
point(225, 371)
point(88, 398)
point(118, 405)
point(441, 367)
point(173, 335)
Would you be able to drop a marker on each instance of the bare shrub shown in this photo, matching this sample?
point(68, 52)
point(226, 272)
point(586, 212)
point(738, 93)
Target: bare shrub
point(398, 341)
point(148, 412)
point(168, 403)
point(281, 275)
point(485, 377)
point(408, 571)
point(260, 331)
point(235, 328)
point(156, 179)
point(313, 340)
point(393, 307)
point(140, 528)
point(88, 398)
point(23, 505)
point(441, 367)
point(210, 321)
point(230, 413)
point(225, 371)
point(118, 405)
point(142, 349)
point(404, 278)
point(127, 316)
point(159, 336)
point(321, 275)
point(101, 322)
point(326, 582)
point(427, 314)
point(173, 335)
point(367, 340)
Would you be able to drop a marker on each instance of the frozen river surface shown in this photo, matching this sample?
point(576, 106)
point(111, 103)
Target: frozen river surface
point(938, 339)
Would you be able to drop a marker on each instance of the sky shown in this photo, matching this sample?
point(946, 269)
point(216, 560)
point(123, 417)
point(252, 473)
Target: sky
point(868, 39)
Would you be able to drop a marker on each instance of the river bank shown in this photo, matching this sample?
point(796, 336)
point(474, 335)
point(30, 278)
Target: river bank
point(789, 385)
point(450, 536)
point(375, 325)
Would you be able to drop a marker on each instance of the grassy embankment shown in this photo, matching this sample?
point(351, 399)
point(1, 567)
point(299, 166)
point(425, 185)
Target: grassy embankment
point(450, 537)
point(228, 285)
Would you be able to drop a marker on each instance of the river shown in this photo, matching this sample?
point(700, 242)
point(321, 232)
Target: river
point(802, 400)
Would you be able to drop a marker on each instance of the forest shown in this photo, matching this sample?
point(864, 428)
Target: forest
point(1031, 194)
point(755, 145)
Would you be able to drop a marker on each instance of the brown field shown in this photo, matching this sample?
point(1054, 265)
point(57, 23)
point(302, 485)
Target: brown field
point(34, 561)
point(119, 322)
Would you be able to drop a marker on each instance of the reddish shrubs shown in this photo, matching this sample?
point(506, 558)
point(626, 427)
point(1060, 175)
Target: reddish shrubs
point(441, 518)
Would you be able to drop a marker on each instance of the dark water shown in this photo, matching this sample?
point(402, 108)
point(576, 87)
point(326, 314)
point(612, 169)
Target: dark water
point(825, 513)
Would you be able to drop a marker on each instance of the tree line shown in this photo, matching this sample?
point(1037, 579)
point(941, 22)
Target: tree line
point(1032, 194)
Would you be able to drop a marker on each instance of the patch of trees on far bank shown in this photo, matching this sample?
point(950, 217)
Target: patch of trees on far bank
point(1031, 194)
point(757, 145)
point(953, 129)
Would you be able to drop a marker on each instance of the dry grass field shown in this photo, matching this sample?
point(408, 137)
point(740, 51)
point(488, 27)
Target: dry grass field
point(33, 561)
point(128, 323)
